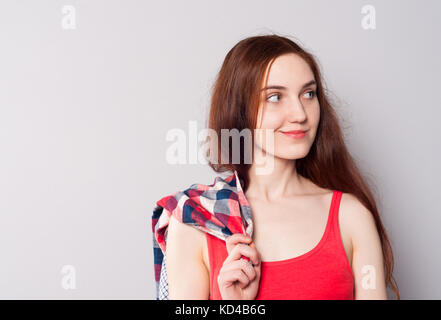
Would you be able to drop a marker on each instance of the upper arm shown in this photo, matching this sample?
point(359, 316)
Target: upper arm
point(367, 254)
point(186, 272)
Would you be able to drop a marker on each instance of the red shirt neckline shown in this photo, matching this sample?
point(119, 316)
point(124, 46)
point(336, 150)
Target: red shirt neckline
point(315, 249)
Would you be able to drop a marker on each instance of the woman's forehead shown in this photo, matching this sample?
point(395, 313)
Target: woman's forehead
point(289, 70)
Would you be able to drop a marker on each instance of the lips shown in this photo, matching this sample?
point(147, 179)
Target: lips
point(296, 134)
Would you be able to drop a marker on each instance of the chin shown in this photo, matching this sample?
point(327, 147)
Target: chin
point(292, 153)
point(291, 157)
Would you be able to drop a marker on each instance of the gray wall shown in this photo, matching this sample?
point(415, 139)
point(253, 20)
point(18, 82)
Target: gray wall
point(84, 114)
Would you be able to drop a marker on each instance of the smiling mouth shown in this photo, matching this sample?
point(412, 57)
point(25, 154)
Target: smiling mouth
point(298, 134)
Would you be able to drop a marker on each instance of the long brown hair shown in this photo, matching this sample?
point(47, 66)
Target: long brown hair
point(234, 104)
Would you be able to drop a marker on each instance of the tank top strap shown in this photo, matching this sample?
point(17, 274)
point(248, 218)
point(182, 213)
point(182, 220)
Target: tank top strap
point(217, 253)
point(333, 215)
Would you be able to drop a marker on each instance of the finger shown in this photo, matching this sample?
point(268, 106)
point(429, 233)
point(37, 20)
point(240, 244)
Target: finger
point(257, 270)
point(253, 246)
point(228, 278)
point(243, 265)
point(243, 250)
point(236, 238)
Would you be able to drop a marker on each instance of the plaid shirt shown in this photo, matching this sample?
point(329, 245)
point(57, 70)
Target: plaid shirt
point(220, 209)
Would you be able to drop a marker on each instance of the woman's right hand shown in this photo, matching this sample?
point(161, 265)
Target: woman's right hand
point(238, 279)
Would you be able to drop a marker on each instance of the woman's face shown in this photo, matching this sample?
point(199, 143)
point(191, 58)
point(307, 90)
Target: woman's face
point(288, 103)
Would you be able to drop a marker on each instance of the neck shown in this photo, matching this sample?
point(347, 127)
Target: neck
point(280, 182)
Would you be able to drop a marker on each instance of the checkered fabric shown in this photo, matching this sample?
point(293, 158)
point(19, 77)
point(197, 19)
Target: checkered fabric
point(220, 209)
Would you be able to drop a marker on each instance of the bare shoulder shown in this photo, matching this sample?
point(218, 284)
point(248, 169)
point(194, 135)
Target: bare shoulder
point(352, 210)
point(359, 224)
point(177, 232)
point(184, 257)
point(356, 221)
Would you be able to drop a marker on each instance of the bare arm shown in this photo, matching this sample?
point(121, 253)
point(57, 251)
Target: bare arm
point(367, 256)
point(188, 277)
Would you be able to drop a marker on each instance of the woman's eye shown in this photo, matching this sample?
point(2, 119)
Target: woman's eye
point(274, 95)
point(311, 94)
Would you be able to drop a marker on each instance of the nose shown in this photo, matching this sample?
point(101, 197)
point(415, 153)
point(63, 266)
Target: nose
point(296, 112)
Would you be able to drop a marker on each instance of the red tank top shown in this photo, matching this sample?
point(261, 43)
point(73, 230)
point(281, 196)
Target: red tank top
point(323, 273)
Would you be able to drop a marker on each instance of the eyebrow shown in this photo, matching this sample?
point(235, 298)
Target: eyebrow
point(310, 83)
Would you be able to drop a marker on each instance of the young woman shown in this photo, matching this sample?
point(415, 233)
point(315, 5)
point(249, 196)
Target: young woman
point(317, 231)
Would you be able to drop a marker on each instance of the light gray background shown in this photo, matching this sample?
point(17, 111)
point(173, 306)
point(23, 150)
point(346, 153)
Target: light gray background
point(84, 114)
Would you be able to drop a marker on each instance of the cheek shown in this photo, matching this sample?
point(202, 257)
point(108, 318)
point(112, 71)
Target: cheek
point(267, 120)
point(313, 115)
point(271, 120)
